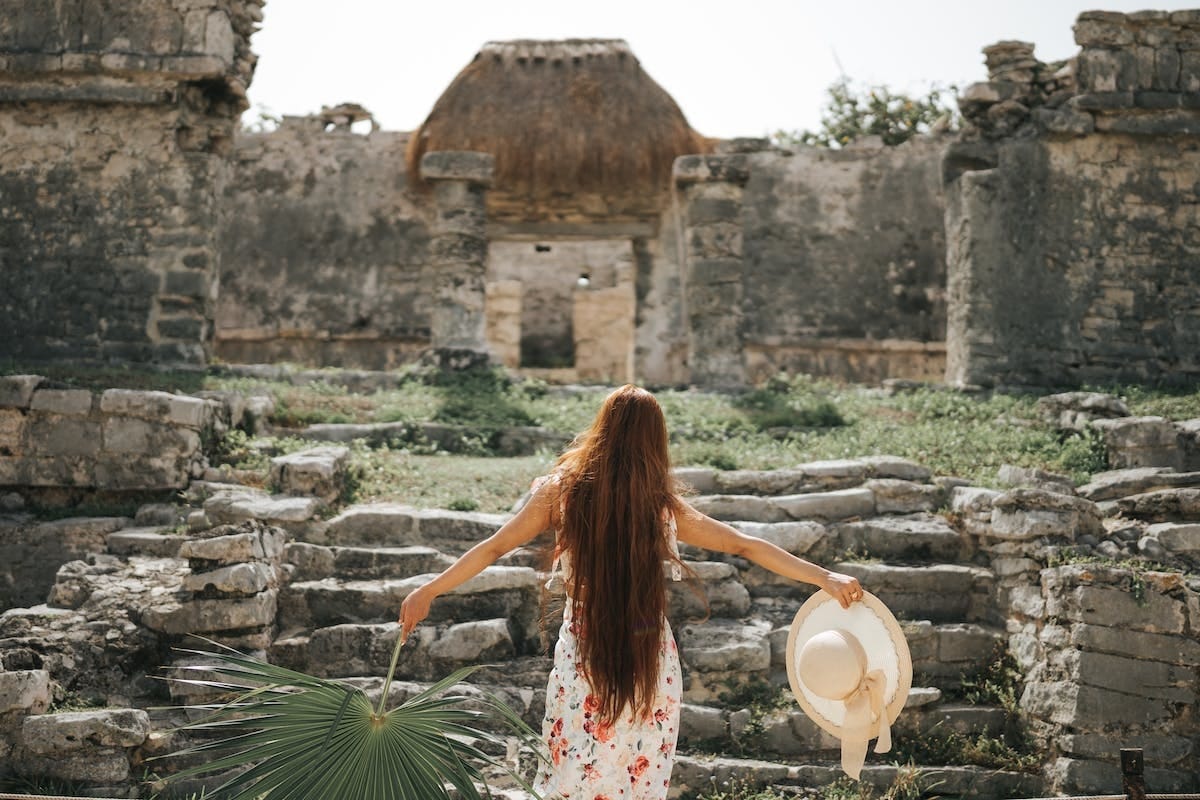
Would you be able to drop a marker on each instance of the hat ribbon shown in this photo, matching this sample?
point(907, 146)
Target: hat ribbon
point(865, 719)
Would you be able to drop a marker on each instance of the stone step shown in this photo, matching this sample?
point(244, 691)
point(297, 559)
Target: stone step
point(817, 476)
point(695, 773)
point(1115, 484)
point(1164, 505)
point(398, 525)
point(155, 542)
point(944, 653)
point(312, 562)
point(939, 592)
point(921, 537)
point(494, 593)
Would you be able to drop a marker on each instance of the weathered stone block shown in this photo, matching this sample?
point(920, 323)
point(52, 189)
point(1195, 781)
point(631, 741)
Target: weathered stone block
point(319, 471)
point(235, 580)
point(16, 391)
point(212, 616)
point(1090, 707)
point(1102, 29)
point(52, 734)
point(724, 647)
point(894, 496)
point(1148, 679)
point(733, 507)
point(1141, 442)
point(234, 547)
point(125, 435)
point(734, 168)
point(191, 412)
point(25, 691)
point(1032, 513)
point(1164, 505)
point(98, 766)
point(311, 562)
point(1176, 537)
point(67, 402)
point(474, 642)
point(1112, 607)
point(840, 504)
point(278, 510)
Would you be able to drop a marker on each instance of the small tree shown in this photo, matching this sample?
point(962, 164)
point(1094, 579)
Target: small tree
point(877, 111)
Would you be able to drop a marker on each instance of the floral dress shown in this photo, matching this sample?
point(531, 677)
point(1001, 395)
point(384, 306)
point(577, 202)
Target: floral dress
point(630, 759)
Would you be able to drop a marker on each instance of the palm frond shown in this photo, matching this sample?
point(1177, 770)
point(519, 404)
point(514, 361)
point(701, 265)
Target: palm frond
point(294, 736)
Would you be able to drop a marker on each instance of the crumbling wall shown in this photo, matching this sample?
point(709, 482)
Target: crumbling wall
point(324, 249)
point(116, 122)
point(845, 261)
point(1073, 212)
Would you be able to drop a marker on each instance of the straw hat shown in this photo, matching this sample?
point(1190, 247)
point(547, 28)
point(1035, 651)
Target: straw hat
point(850, 670)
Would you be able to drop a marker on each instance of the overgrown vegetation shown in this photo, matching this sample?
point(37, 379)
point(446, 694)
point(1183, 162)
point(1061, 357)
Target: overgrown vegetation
point(1136, 566)
point(853, 111)
point(999, 683)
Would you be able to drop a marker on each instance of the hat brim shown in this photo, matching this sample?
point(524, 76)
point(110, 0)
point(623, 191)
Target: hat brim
point(881, 637)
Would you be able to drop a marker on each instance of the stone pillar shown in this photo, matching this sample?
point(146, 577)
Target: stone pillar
point(458, 256)
point(711, 190)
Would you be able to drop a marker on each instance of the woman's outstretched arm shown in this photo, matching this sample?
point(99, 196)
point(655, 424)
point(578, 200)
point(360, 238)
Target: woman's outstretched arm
point(701, 530)
point(532, 519)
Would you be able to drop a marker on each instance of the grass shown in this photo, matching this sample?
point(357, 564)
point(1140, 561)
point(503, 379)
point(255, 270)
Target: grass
point(788, 421)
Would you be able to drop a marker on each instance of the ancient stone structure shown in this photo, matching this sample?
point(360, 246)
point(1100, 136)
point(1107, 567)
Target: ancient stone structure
point(1072, 210)
point(117, 125)
point(1107, 653)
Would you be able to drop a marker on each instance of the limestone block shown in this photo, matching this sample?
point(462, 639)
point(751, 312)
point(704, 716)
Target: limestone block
point(212, 616)
point(374, 523)
point(226, 509)
point(1139, 480)
point(131, 472)
point(63, 436)
point(604, 337)
point(973, 499)
point(51, 734)
point(1150, 679)
point(310, 561)
point(698, 723)
point(917, 537)
point(1074, 410)
point(839, 504)
point(700, 479)
point(235, 580)
point(318, 471)
point(435, 526)
point(1014, 476)
point(474, 642)
point(1090, 707)
point(13, 426)
point(1102, 29)
point(234, 547)
point(219, 38)
point(143, 542)
point(1164, 505)
point(98, 766)
point(1113, 607)
point(1065, 120)
point(1176, 537)
point(734, 168)
point(1141, 442)
point(896, 467)
point(503, 308)
point(1023, 514)
point(67, 402)
point(720, 646)
point(796, 538)
point(966, 642)
point(1159, 748)
point(731, 507)
point(126, 435)
point(895, 496)
point(26, 691)
point(190, 412)
point(16, 391)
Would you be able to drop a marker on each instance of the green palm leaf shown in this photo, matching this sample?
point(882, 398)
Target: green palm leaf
point(299, 737)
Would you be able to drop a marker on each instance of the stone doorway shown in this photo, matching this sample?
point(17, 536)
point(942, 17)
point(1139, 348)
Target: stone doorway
point(566, 307)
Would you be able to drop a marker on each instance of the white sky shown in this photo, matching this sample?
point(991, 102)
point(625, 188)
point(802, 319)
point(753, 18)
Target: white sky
point(736, 67)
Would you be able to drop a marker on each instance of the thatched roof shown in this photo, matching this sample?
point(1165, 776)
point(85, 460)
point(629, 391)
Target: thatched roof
point(560, 118)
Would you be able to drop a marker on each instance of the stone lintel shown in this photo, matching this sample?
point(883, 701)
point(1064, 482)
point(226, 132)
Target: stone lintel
point(733, 168)
point(458, 165)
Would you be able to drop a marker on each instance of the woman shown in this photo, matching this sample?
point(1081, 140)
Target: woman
point(612, 704)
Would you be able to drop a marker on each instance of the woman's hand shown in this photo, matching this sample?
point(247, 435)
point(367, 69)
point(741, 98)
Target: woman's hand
point(413, 609)
point(844, 588)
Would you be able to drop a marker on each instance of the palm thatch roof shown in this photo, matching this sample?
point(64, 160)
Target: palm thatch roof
point(562, 118)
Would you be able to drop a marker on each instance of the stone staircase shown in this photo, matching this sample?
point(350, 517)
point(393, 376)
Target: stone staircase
point(324, 598)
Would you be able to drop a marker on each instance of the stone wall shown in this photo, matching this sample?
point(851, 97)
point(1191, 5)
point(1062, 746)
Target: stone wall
point(845, 261)
point(112, 441)
point(324, 249)
point(1073, 212)
point(116, 122)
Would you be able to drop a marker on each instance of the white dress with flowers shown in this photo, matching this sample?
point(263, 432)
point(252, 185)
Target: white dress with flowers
point(630, 759)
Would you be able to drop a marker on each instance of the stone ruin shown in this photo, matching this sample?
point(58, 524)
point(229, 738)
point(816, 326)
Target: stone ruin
point(1048, 243)
point(1107, 654)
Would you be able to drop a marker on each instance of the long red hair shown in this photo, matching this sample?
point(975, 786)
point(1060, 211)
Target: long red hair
point(615, 483)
